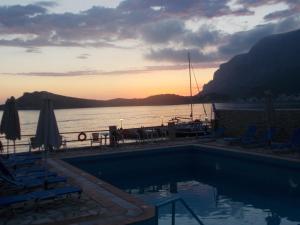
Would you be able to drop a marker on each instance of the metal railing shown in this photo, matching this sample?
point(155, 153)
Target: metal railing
point(62, 134)
point(71, 139)
point(67, 139)
point(173, 201)
point(259, 106)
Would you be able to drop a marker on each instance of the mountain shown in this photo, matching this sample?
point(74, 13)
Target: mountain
point(31, 101)
point(271, 64)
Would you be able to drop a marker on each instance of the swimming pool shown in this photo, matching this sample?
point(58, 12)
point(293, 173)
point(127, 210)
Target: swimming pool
point(222, 187)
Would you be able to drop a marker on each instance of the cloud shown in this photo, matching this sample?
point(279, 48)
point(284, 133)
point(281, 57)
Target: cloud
point(100, 26)
point(67, 29)
point(43, 42)
point(46, 4)
point(180, 55)
point(17, 16)
point(163, 31)
point(33, 50)
point(82, 73)
point(241, 42)
point(110, 73)
point(294, 9)
point(83, 56)
point(204, 36)
point(56, 74)
point(160, 26)
point(168, 32)
point(256, 3)
point(183, 9)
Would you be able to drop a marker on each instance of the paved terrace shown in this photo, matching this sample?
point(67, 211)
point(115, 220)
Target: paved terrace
point(102, 203)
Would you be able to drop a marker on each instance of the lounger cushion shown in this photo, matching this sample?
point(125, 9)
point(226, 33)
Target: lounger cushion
point(37, 182)
point(10, 200)
point(35, 175)
point(66, 190)
point(38, 195)
point(42, 195)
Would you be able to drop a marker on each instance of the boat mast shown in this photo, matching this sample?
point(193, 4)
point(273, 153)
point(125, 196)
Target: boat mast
point(191, 92)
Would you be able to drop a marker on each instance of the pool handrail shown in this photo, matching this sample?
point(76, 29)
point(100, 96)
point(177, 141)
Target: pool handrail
point(173, 202)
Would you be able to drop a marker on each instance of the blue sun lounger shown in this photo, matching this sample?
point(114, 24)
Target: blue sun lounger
point(35, 175)
point(22, 156)
point(38, 196)
point(55, 193)
point(247, 137)
point(218, 133)
point(18, 163)
point(34, 171)
point(28, 183)
point(292, 143)
point(12, 200)
point(264, 140)
point(27, 154)
point(25, 172)
point(19, 157)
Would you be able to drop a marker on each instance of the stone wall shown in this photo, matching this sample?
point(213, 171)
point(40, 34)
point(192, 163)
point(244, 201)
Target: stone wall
point(236, 121)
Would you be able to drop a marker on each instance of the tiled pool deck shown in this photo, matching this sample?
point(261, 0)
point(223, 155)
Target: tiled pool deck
point(102, 203)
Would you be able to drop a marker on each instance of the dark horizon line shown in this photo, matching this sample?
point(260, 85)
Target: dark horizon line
point(91, 99)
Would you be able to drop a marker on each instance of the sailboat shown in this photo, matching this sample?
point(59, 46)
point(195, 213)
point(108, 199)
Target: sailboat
point(188, 126)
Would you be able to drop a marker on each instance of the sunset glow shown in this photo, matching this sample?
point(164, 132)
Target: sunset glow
point(107, 87)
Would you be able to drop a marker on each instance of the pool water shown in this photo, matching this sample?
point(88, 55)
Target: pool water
point(220, 189)
point(212, 207)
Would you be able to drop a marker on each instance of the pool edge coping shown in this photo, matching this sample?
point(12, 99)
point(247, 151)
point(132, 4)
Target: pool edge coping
point(123, 215)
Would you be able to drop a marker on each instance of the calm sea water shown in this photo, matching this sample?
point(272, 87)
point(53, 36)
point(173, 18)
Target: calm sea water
point(87, 119)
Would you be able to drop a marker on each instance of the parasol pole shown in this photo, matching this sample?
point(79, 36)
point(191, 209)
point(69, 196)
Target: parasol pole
point(46, 165)
point(14, 146)
point(7, 147)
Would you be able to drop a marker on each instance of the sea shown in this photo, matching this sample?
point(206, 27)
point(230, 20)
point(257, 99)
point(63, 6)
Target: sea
point(99, 119)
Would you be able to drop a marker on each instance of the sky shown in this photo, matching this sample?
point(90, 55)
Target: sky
point(103, 49)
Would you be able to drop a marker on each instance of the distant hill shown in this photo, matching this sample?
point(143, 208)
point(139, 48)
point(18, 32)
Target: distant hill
point(272, 64)
point(31, 101)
